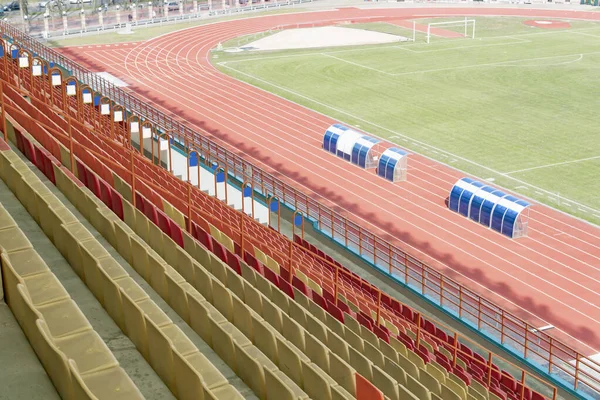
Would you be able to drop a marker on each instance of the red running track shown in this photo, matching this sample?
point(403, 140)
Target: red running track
point(550, 277)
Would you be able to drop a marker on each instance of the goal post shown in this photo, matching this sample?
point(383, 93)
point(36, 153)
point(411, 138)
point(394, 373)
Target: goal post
point(464, 22)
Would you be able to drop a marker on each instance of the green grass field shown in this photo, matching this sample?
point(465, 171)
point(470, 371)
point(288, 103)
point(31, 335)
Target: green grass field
point(517, 106)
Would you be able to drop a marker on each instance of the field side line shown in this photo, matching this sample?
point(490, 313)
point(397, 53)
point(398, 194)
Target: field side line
point(500, 63)
point(586, 34)
point(466, 47)
point(553, 165)
point(357, 64)
point(408, 137)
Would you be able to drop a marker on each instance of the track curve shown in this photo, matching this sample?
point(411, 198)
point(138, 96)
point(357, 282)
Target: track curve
point(545, 278)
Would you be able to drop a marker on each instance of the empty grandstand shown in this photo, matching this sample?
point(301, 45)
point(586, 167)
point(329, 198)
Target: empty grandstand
point(215, 304)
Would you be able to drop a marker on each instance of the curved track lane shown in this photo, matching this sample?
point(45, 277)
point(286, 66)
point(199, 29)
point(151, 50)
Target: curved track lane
point(550, 277)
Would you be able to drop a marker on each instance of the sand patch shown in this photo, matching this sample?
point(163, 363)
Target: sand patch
point(326, 36)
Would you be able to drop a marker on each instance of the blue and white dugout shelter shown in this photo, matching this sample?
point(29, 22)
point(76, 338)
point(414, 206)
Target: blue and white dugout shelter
point(490, 207)
point(393, 164)
point(353, 146)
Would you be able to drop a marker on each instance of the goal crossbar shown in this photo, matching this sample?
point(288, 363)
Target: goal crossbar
point(463, 22)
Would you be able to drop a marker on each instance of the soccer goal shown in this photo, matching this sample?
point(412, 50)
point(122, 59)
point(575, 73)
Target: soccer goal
point(461, 28)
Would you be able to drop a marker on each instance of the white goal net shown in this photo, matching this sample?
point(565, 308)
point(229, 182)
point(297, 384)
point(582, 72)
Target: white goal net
point(451, 29)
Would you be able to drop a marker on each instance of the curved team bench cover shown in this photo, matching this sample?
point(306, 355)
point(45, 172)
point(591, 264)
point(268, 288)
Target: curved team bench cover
point(490, 207)
point(351, 145)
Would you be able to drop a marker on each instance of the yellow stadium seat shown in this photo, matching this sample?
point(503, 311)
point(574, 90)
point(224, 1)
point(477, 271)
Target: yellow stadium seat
point(342, 373)
point(417, 388)
point(293, 332)
point(430, 382)
point(94, 385)
point(374, 354)
point(54, 361)
point(280, 387)
point(242, 317)
point(317, 384)
point(339, 346)
point(361, 364)
point(386, 383)
point(317, 352)
point(395, 371)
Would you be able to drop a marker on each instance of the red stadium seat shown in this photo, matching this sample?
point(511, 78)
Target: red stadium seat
point(286, 288)
point(105, 194)
point(163, 222)
point(220, 251)
point(271, 276)
point(301, 286)
point(234, 262)
point(320, 300)
point(117, 203)
point(176, 232)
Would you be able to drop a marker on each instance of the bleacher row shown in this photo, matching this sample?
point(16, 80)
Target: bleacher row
point(403, 355)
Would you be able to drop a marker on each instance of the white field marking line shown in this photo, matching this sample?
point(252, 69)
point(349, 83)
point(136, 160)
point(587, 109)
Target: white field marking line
point(475, 46)
point(357, 65)
point(516, 65)
point(326, 161)
point(509, 301)
point(553, 228)
point(499, 64)
point(217, 76)
point(553, 165)
point(400, 134)
point(586, 34)
point(178, 58)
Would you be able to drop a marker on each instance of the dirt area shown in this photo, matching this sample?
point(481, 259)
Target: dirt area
point(327, 36)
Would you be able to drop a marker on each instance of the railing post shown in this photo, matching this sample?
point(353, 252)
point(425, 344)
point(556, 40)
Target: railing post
point(455, 350)
point(460, 301)
point(406, 269)
point(577, 370)
point(291, 255)
point(526, 340)
point(442, 290)
point(3, 112)
point(418, 330)
point(189, 199)
point(501, 323)
point(490, 363)
point(360, 241)
point(319, 214)
point(550, 357)
point(132, 178)
point(479, 312)
point(522, 394)
point(379, 311)
point(336, 284)
point(71, 155)
point(390, 258)
point(346, 232)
